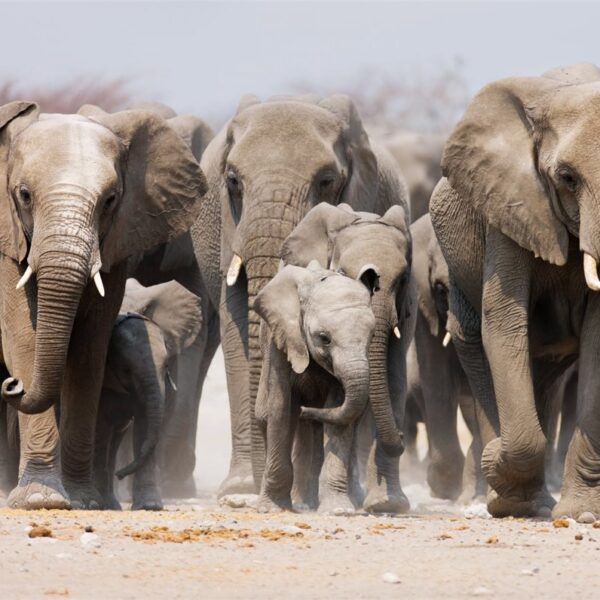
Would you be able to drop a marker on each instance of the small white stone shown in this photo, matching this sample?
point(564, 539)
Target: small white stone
point(291, 529)
point(90, 540)
point(531, 571)
point(390, 577)
point(63, 555)
point(477, 510)
point(481, 591)
point(586, 517)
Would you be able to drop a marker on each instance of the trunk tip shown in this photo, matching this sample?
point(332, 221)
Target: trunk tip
point(12, 388)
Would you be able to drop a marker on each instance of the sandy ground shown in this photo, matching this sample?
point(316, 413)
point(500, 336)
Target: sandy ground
point(198, 549)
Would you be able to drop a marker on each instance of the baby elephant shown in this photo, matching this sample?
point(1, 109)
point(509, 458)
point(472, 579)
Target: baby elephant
point(318, 328)
point(155, 325)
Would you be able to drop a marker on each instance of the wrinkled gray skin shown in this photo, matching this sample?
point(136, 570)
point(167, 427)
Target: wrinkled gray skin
point(176, 260)
point(81, 195)
point(154, 326)
point(268, 166)
point(437, 382)
point(315, 347)
point(349, 242)
point(419, 156)
point(521, 181)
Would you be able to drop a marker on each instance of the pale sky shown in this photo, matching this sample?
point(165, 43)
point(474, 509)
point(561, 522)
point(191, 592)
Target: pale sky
point(201, 57)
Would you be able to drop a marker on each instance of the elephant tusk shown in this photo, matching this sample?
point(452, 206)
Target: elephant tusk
point(590, 270)
point(99, 284)
point(397, 332)
point(170, 380)
point(25, 278)
point(447, 339)
point(234, 269)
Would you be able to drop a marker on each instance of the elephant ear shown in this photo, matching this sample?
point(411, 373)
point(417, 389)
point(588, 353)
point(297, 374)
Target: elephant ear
point(422, 234)
point(163, 184)
point(278, 303)
point(363, 177)
point(14, 117)
point(490, 160)
point(396, 217)
point(312, 237)
point(194, 132)
point(172, 307)
point(575, 74)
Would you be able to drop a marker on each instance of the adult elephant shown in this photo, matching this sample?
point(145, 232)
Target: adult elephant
point(517, 219)
point(438, 384)
point(268, 166)
point(79, 195)
point(175, 260)
point(419, 156)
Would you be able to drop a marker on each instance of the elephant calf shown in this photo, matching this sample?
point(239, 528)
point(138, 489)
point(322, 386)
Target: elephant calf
point(155, 325)
point(315, 341)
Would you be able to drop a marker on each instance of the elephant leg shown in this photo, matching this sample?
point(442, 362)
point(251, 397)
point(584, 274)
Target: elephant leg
point(513, 463)
point(334, 489)
point(473, 481)
point(102, 449)
point(384, 493)
point(8, 456)
point(39, 484)
point(82, 385)
point(580, 492)
point(568, 418)
point(146, 493)
point(446, 460)
point(307, 458)
point(234, 336)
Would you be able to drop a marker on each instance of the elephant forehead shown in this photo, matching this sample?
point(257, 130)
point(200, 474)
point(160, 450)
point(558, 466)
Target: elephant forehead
point(338, 291)
point(375, 243)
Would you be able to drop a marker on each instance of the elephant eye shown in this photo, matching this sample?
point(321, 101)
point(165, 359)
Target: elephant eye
point(324, 338)
point(568, 178)
point(24, 195)
point(110, 202)
point(326, 182)
point(440, 288)
point(233, 181)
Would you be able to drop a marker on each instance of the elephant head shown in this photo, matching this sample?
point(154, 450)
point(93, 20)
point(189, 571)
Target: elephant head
point(525, 157)
point(316, 314)
point(430, 271)
point(80, 194)
point(351, 243)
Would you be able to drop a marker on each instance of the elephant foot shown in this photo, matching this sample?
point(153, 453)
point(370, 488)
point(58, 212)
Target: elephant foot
point(41, 489)
point(110, 502)
point(380, 501)
point(445, 478)
point(180, 489)
point(239, 481)
point(273, 504)
point(147, 498)
point(84, 496)
point(539, 504)
point(578, 502)
point(336, 503)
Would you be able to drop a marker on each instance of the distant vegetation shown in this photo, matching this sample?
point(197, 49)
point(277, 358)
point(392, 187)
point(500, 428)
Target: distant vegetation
point(420, 100)
point(68, 97)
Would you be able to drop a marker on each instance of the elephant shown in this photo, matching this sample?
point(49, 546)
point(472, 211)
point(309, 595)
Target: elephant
point(79, 195)
point(419, 156)
point(318, 327)
point(516, 217)
point(155, 325)
point(266, 168)
point(437, 382)
point(343, 240)
point(175, 260)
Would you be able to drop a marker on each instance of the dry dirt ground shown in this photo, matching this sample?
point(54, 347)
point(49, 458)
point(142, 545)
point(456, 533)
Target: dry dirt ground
point(202, 550)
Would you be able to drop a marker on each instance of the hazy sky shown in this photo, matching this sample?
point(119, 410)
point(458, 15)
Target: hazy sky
point(201, 57)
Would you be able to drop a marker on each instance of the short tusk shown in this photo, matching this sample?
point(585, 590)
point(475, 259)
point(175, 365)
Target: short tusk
point(25, 278)
point(397, 332)
point(170, 380)
point(447, 339)
point(99, 284)
point(234, 269)
point(590, 270)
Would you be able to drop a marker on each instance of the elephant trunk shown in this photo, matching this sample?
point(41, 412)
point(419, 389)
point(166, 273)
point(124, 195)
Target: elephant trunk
point(387, 430)
point(62, 272)
point(355, 381)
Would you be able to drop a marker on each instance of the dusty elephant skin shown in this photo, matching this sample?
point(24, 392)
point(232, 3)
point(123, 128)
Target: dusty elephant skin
point(155, 325)
point(518, 223)
point(83, 192)
point(316, 367)
point(436, 382)
point(350, 242)
point(268, 166)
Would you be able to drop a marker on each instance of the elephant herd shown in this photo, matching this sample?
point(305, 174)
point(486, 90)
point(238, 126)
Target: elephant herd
point(132, 244)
